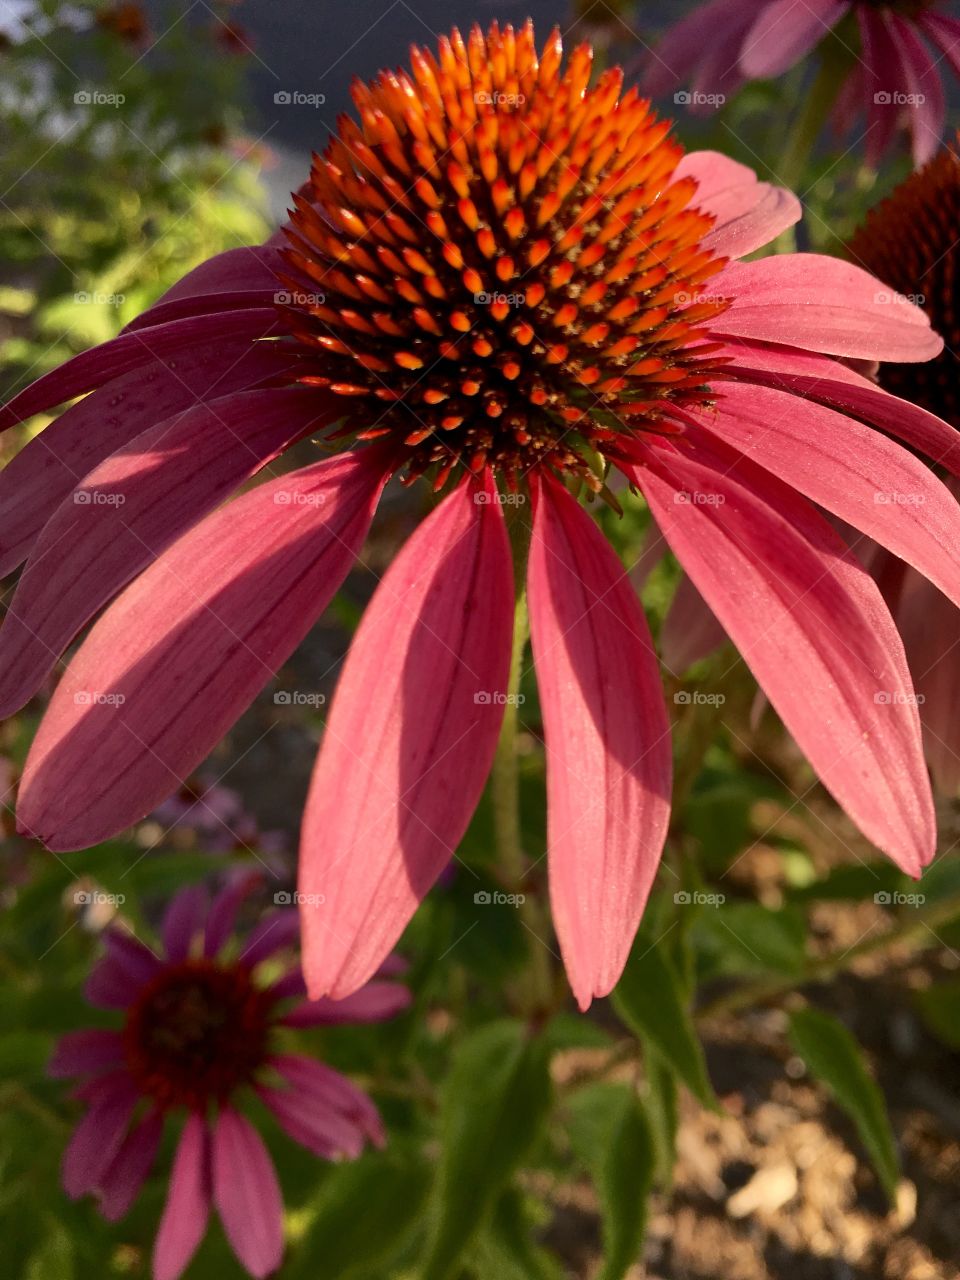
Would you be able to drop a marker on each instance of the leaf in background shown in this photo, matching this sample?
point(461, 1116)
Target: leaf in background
point(364, 1213)
point(54, 1258)
point(746, 937)
point(495, 1100)
point(939, 1007)
point(649, 1000)
point(610, 1134)
point(506, 1249)
point(660, 1103)
point(833, 1056)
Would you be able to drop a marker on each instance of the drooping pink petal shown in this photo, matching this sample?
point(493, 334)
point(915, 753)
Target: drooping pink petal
point(749, 213)
point(409, 740)
point(922, 79)
point(607, 740)
point(274, 932)
point(326, 1090)
point(822, 304)
point(183, 921)
point(375, 1002)
point(187, 1210)
point(186, 648)
point(48, 468)
point(97, 1138)
point(882, 78)
point(80, 1053)
point(785, 32)
point(945, 33)
point(867, 480)
point(246, 1194)
point(128, 510)
point(682, 48)
point(222, 917)
point(930, 626)
point(121, 1182)
point(132, 351)
point(119, 976)
point(243, 277)
point(690, 631)
point(810, 623)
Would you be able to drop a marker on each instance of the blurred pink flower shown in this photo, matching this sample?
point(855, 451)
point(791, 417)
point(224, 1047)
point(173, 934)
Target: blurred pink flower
point(722, 44)
point(197, 1035)
point(590, 317)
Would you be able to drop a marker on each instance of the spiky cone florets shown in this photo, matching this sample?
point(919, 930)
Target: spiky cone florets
point(507, 271)
point(910, 242)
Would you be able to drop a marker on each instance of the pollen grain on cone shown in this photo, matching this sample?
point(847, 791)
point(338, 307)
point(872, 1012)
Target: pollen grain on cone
point(510, 273)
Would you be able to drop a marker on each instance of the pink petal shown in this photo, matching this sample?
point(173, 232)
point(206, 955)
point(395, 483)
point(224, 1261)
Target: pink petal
point(121, 1183)
point(49, 466)
point(187, 1210)
point(118, 977)
point(222, 918)
point(409, 740)
point(152, 491)
point(810, 301)
point(922, 78)
point(327, 1133)
point(882, 77)
point(183, 921)
point(785, 32)
point(812, 626)
point(867, 480)
point(246, 1194)
point(749, 213)
point(188, 646)
point(375, 1002)
point(945, 33)
point(690, 631)
point(275, 932)
point(248, 276)
point(930, 626)
point(682, 48)
point(326, 1091)
point(80, 1053)
point(132, 351)
point(607, 740)
point(98, 1136)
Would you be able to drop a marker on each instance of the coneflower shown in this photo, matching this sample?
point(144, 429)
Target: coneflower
point(509, 281)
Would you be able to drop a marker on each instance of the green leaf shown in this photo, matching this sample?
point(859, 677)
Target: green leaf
point(609, 1132)
point(833, 1056)
point(939, 1007)
point(749, 937)
point(661, 1106)
point(506, 1249)
point(495, 1101)
point(649, 1000)
point(363, 1215)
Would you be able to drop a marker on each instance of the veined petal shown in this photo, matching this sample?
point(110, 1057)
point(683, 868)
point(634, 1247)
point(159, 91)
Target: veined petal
point(120, 1184)
point(607, 740)
point(98, 1136)
point(867, 480)
point(785, 32)
point(183, 921)
point(242, 277)
point(682, 48)
point(822, 304)
point(922, 77)
point(246, 1194)
point(882, 77)
point(128, 510)
point(186, 648)
point(810, 623)
point(749, 213)
point(187, 1210)
point(690, 631)
point(409, 740)
point(945, 34)
point(930, 626)
point(374, 1002)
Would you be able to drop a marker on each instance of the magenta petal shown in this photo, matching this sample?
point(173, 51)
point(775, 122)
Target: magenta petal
point(98, 1136)
point(811, 301)
point(222, 918)
point(186, 648)
point(922, 78)
point(48, 468)
point(690, 632)
point(80, 1053)
point(785, 32)
point(128, 510)
point(119, 976)
point(121, 1182)
point(243, 277)
point(274, 932)
point(870, 482)
point(748, 213)
point(810, 623)
point(607, 740)
point(132, 351)
point(409, 740)
point(945, 33)
point(246, 1194)
point(187, 1210)
point(882, 78)
point(183, 921)
point(930, 626)
point(327, 1091)
point(680, 52)
point(375, 1002)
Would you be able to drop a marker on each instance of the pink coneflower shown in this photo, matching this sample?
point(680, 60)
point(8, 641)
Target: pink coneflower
point(511, 282)
point(722, 44)
point(197, 1035)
